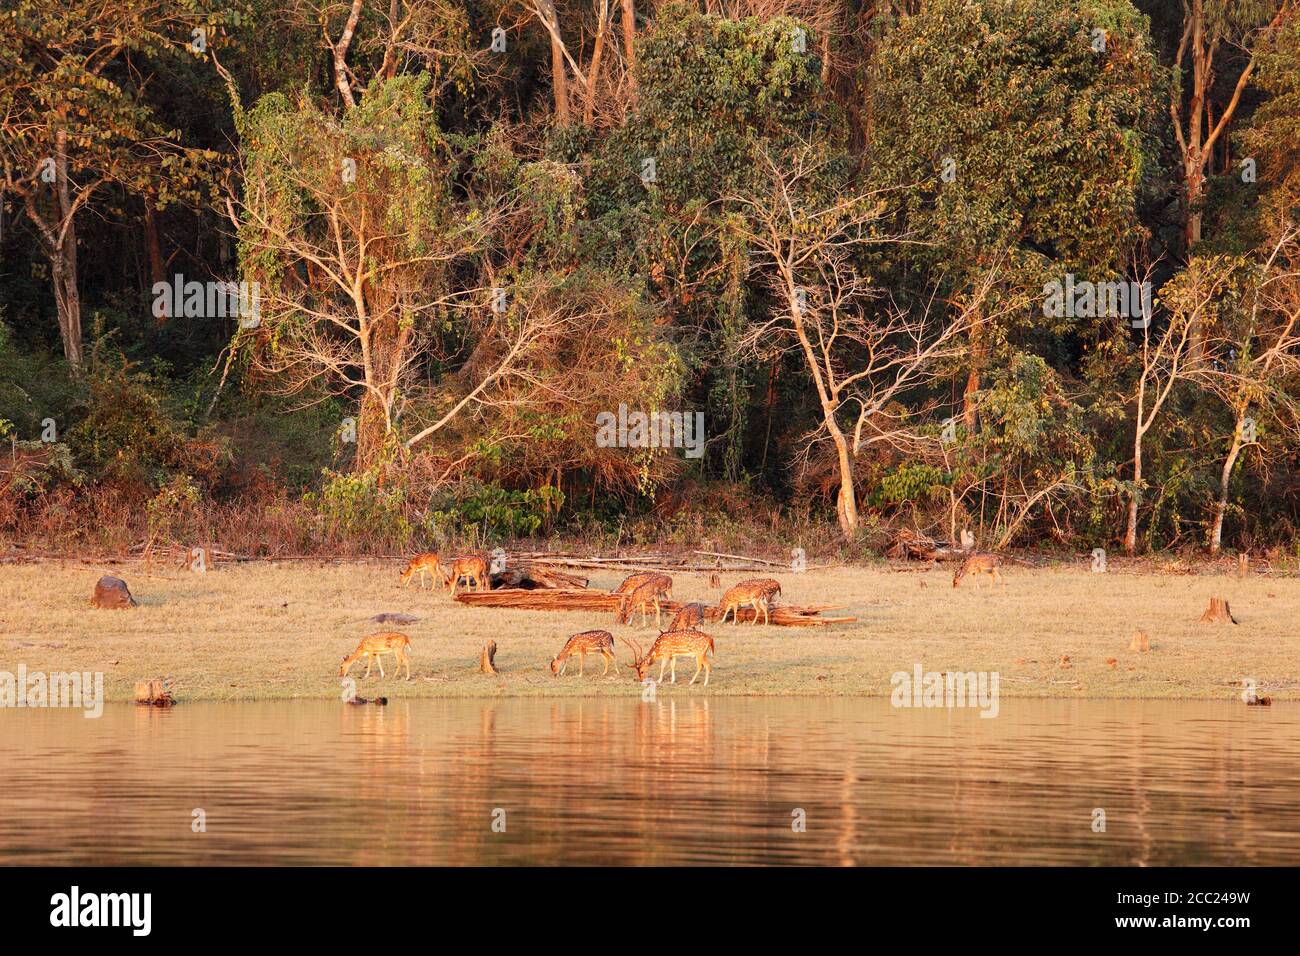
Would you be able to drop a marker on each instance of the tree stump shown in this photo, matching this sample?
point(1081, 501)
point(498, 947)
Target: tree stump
point(1140, 642)
point(486, 660)
point(155, 692)
point(715, 580)
point(111, 593)
point(1218, 613)
point(1243, 564)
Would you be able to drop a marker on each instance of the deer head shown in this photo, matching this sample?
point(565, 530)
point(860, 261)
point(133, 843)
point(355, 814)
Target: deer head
point(639, 662)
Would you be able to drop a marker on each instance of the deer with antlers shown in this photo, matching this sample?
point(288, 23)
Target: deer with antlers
point(649, 593)
point(669, 646)
point(588, 642)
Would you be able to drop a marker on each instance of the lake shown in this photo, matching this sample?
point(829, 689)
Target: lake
point(684, 780)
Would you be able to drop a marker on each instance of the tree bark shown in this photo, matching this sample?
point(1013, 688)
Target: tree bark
point(559, 76)
point(629, 35)
point(1225, 477)
point(1130, 532)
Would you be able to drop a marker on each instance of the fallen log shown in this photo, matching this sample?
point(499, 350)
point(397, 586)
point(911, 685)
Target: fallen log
point(583, 599)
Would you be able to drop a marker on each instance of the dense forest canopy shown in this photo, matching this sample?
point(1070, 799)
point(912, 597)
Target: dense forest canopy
point(367, 274)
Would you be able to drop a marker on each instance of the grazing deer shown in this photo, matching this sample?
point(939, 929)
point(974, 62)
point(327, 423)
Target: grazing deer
point(634, 581)
point(649, 593)
point(976, 565)
point(475, 572)
point(422, 564)
point(385, 642)
point(756, 593)
point(686, 618)
point(669, 646)
point(588, 642)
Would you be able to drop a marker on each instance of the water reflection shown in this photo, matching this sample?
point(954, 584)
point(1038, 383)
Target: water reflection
point(682, 780)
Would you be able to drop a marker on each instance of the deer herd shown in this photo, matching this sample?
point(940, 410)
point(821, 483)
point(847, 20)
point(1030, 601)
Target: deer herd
point(642, 593)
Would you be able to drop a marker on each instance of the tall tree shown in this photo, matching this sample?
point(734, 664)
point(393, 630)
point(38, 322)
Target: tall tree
point(75, 125)
point(1208, 27)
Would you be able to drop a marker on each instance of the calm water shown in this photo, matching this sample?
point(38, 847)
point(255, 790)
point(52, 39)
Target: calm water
point(710, 781)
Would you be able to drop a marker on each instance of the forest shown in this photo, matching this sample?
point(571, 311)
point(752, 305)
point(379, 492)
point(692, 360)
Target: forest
point(364, 276)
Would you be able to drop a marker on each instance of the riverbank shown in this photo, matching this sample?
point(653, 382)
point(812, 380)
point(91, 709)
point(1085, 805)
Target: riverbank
point(278, 631)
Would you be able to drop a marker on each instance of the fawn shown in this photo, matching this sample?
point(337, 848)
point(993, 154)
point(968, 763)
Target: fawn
point(385, 642)
point(649, 592)
point(687, 617)
point(976, 565)
point(669, 646)
point(757, 593)
point(475, 572)
point(422, 564)
point(588, 642)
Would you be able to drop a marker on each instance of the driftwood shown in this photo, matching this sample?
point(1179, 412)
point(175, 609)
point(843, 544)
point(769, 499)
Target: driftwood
point(1218, 613)
point(487, 660)
point(155, 692)
point(111, 592)
point(585, 599)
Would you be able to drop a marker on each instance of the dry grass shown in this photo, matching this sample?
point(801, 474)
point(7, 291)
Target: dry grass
point(278, 631)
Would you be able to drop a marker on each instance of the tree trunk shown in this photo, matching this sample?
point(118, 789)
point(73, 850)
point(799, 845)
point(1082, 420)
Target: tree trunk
point(67, 302)
point(629, 34)
point(846, 505)
point(593, 73)
point(1130, 533)
point(153, 247)
point(1225, 476)
point(559, 74)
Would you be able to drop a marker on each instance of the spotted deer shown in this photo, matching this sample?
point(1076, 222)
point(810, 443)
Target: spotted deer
point(422, 564)
point(375, 645)
point(634, 581)
point(687, 617)
point(475, 572)
point(669, 646)
point(588, 642)
point(976, 565)
point(650, 593)
point(757, 594)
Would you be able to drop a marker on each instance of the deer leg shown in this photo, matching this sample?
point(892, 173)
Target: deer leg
point(406, 659)
point(662, 664)
point(605, 655)
point(369, 659)
point(708, 670)
point(582, 662)
point(672, 669)
point(699, 663)
point(380, 661)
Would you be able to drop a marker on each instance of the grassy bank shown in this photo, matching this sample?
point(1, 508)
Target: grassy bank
point(264, 631)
